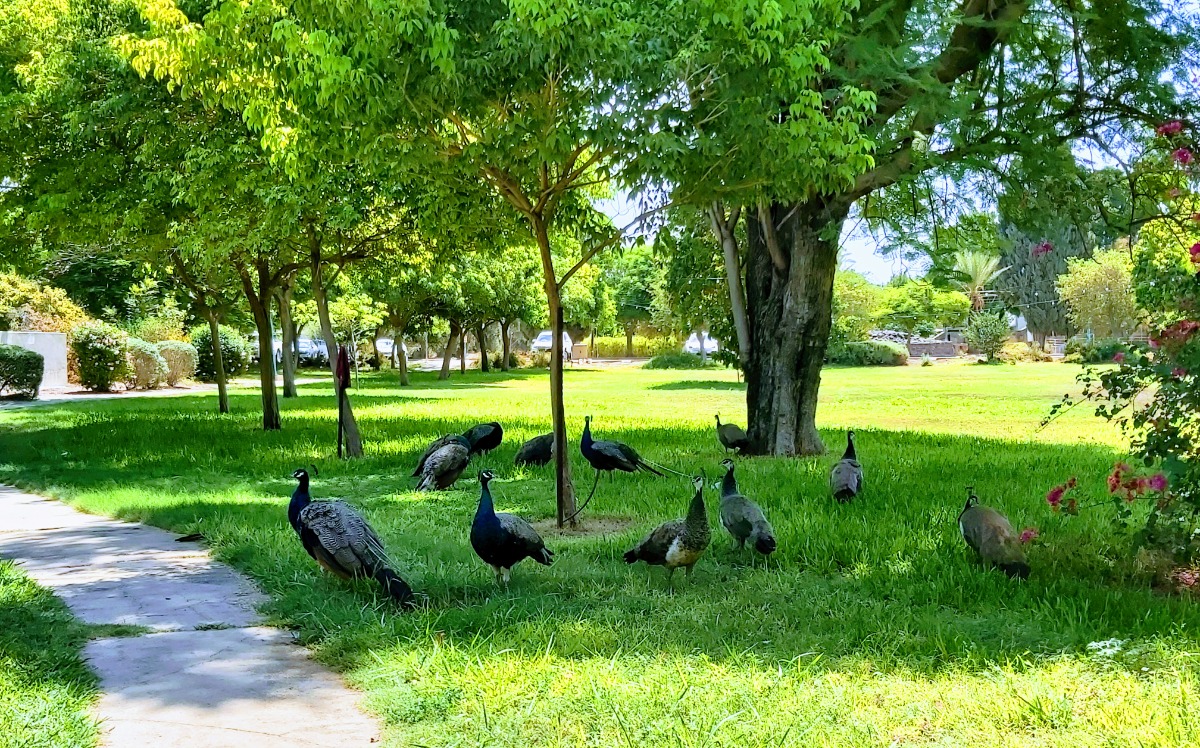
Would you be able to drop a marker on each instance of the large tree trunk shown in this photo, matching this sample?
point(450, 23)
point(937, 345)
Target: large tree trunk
point(480, 335)
point(789, 292)
point(505, 346)
point(451, 344)
point(283, 298)
point(462, 351)
point(375, 348)
point(401, 359)
point(354, 446)
point(260, 307)
point(214, 331)
point(564, 488)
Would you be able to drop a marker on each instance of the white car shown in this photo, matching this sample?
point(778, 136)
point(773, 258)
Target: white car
point(542, 343)
point(385, 346)
point(693, 345)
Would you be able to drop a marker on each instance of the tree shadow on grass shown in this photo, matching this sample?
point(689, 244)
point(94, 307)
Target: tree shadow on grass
point(700, 384)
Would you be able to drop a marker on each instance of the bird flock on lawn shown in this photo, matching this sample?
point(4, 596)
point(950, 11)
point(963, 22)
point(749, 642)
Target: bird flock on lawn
point(343, 543)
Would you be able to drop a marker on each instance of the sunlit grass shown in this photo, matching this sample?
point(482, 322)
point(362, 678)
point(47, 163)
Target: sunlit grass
point(870, 626)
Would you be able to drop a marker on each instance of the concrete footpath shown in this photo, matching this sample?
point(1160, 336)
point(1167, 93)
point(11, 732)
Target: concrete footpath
point(208, 675)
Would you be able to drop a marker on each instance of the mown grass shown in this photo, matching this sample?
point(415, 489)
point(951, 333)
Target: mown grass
point(45, 689)
point(870, 626)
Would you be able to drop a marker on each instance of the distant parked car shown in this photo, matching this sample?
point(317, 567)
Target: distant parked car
point(543, 342)
point(693, 345)
point(313, 351)
point(385, 346)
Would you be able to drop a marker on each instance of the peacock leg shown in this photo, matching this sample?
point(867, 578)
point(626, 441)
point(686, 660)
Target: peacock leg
point(507, 576)
point(496, 569)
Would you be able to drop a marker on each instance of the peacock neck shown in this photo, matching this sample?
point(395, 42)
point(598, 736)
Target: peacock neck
point(697, 515)
point(486, 508)
point(728, 484)
point(300, 499)
point(586, 440)
point(850, 454)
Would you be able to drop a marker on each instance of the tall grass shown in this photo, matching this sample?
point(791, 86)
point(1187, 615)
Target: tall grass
point(870, 626)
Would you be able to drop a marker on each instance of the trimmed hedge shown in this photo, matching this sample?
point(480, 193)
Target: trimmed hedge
point(235, 353)
point(1100, 351)
point(147, 368)
point(20, 371)
point(870, 353)
point(674, 361)
point(643, 347)
point(181, 360)
point(100, 350)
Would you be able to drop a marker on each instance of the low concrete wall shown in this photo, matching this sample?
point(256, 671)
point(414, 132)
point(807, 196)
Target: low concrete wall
point(940, 349)
point(52, 346)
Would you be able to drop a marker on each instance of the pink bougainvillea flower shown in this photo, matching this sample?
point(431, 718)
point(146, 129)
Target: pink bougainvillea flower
point(1182, 156)
point(1028, 534)
point(1195, 252)
point(1174, 127)
point(1118, 357)
point(1158, 482)
point(1044, 248)
point(1054, 498)
point(1114, 482)
point(1174, 193)
point(1179, 372)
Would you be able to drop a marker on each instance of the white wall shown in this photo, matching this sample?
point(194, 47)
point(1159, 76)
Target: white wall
point(52, 346)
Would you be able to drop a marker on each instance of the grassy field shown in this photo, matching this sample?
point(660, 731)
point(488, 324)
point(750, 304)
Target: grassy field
point(871, 626)
point(45, 689)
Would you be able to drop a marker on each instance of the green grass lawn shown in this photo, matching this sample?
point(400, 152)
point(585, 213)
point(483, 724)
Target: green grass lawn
point(871, 626)
point(45, 689)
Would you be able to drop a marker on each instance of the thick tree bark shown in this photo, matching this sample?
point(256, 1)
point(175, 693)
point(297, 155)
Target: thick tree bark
point(401, 359)
point(283, 299)
point(354, 446)
point(789, 292)
point(260, 307)
point(214, 331)
point(481, 336)
point(451, 344)
point(505, 346)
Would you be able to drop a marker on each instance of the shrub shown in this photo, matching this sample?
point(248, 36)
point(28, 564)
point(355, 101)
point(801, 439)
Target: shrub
point(987, 333)
point(643, 347)
point(540, 360)
point(870, 353)
point(100, 350)
point(147, 368)
point(20, 371)
point(513, 362)
point(1103, 351)
point(181, 360)
point(674, 361)
point(1015, 352)
point(166, 324)
point(926, 359)
point(235, 353)
point(28, 305)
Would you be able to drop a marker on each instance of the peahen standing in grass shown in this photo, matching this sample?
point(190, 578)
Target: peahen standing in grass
point(444, 466)
point(742, 517)
point(731, 436)
point(680, 542)
point(342, 542)
point(537, 452)
point(846, 477)
point(484, 437)
point(503, 540)
point(991, 535)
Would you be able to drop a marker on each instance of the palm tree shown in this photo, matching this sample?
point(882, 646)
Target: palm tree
point(975, 271)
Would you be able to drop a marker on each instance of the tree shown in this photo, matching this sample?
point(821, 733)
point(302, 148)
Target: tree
point(987, 332)
point(516, 295)
point(633, 276)
point(1099, 293)
point(791, 116)
point(1034, 262)
point(917, 307)
point(691, 295)
point(974, 272)
point(856, 303)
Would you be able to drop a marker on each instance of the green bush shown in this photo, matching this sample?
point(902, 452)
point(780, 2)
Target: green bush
point(181, 360)
point(235, 353)
point(1100, 351)
point(513, 361)
point(165, 324)
point(643, 347)
point(20, 371)
point(1015, 352)
point(674, 361)
point(869, 353)
point(987, 333)
point(147, 367)
point(100, 350)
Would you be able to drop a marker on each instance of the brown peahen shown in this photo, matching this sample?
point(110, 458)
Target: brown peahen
point(742, 517)
point(680, 542)
point(846, 478)
point(991, 535)
point(731, 436)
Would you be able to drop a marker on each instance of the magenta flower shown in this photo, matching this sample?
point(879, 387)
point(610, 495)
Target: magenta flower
point(1179, 372)
point(1174, 127)
point(1182, 156)
point(1158, 482)
point(1028, 534)
point(1043, 248)
point(1054, 498)
point(1118, 357)
point(1186, 577)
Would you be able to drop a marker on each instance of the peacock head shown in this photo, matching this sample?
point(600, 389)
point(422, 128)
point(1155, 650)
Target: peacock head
point(727, 464)
point(698, 482)
point(850, 435)
point(300, 474)
point(485, 476)
point(972, 499)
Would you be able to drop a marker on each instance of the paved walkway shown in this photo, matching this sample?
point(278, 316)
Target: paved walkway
point(209, 675)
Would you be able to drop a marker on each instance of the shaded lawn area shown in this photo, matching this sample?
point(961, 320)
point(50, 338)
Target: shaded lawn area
point(45, 689)
point(870, 626)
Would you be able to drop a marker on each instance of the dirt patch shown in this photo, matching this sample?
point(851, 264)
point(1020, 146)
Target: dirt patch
point(588, 527)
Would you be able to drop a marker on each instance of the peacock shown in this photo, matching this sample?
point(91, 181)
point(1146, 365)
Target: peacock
point(731, 436)
point(342, 542)
point(609, 456)
point(991, 535)
point(846, 478)
point(742, 517)
point(434, 446)
point(503, 540)
point(445, 464)
point(485, 437)
point(538, 451)
point(680, 542)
